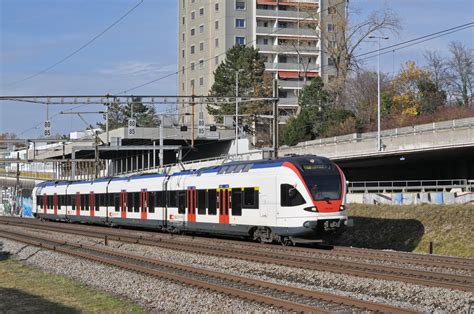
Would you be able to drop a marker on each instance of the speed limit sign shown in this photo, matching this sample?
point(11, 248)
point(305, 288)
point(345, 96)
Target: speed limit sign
point(47, 128)
point(132, 124)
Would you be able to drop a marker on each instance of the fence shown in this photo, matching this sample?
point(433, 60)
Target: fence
point(464, 185)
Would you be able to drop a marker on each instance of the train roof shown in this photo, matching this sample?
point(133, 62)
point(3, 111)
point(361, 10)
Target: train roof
point(233, 166)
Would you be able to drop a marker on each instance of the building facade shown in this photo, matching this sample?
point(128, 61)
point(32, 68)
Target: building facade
point(289, 34)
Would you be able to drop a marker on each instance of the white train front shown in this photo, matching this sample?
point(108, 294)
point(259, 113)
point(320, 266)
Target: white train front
point(270, 200)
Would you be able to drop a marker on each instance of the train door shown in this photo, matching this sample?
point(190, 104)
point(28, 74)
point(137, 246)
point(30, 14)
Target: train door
point(55, 203)
point(143, 204)
point(123, 204)
point(45, 203)
point(224, 205)
point(78, 204)
point(91, 204)
point(191, 204)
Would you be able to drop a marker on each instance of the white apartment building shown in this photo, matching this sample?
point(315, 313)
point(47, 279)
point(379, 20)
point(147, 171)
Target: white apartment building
point(282, 30)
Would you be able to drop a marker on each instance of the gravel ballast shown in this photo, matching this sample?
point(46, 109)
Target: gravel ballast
point(404, 295)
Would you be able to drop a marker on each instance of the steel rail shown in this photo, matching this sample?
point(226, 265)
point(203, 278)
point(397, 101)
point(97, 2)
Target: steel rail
point(427, 278)
point(222, 283)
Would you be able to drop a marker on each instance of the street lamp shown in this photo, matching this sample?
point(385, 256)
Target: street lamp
point(237, 112)
point(379, 141)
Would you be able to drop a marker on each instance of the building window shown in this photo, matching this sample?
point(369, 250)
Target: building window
point(240, 23)
point(184, 20)
point(183, 36)
point(192, 66)
point(182, 53)
point(216, 7)
point(216, 24)
point(192, 49)
point(182, 70)
point(193, 15)
point(182, 86)
point(201, 46)
point(216, 41)
point(201, 29)
point(216, 60)
point(265, 41)
point(331, 10)
point(201, 81)
point(201, 11)
point(331, 61)
point(201, 64)
point(193, 31)
point(330, 28)
point(240, 40)
point(240, 5)
point(192, 83)
point(332, 44)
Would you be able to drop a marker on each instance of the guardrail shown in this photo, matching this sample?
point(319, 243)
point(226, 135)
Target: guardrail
point(390, 133)
point(464, 185)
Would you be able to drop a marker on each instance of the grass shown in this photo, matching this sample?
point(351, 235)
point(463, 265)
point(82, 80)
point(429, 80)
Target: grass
point(412, 227)
point(27, 289)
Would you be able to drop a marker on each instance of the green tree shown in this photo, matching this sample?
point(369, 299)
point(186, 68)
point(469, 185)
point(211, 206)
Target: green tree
point(315, 103)
point(120, 113)
point(252, 82)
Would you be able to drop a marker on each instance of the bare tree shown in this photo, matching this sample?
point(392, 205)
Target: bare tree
point(438, 66)
point(461, 68)
point(340, 38)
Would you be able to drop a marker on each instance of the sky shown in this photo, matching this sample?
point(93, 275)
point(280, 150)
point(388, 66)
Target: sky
point(35, 34)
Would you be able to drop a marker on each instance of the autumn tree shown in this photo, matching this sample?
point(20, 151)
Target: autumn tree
point(252, 82)
point(415, 92)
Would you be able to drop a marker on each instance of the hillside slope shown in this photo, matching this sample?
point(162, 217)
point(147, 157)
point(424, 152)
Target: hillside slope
point(411, 228)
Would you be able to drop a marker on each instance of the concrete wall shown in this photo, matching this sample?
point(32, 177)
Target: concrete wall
point(439, 198)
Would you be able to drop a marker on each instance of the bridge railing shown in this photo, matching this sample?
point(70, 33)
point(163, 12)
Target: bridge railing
point(464, 185)
point(404, 131)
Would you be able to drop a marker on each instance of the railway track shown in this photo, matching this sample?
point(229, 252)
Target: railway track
point(254, 253)
point(275, 295)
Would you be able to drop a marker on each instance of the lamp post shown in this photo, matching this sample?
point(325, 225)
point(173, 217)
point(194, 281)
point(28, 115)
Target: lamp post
point(379, 141)
point(237, 112)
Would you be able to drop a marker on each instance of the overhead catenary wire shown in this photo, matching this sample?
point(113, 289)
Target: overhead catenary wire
point(78, 49)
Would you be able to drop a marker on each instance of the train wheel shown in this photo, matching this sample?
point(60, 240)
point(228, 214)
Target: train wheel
point(286, 241)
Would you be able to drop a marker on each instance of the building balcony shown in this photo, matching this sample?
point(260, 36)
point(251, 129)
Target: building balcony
point(273, 14)
point(289, 66)
point(289, 49)
point(288, 84)
point(289, 31)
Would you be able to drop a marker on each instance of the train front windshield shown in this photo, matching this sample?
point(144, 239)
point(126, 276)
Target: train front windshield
point(324, 187)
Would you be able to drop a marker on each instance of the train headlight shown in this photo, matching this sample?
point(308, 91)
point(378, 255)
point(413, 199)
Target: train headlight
point(342, 208)
point(313, 209)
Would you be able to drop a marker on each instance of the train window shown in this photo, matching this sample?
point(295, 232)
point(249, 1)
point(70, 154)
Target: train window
point(97, 201)
point(230, 169)
point(116, 198)
point(136, 202)
point(159, 199)
point(181, 202)
point(172, 199)
point(151, 202)
point(223, 169)
point(247, 168)
point(211, 202)
point(73, 202)
point(236, 195)
point(289, 196)
point(250, 198)
point(238, 168)
point(201, 202)
point(58, 200)
point(130, 202)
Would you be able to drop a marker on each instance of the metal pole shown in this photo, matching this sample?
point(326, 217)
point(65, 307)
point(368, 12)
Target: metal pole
point(275, 119)
point(161, 156)
point(237, 114)
point(107, 123)
point(378, 100)
point(192, 122)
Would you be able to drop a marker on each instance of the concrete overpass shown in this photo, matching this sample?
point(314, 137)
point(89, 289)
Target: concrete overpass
point(441, 150)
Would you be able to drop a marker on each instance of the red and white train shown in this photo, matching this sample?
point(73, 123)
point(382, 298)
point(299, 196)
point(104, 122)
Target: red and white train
point(279, 200)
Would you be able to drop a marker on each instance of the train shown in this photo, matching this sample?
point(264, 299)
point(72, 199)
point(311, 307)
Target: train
point(285, 200)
